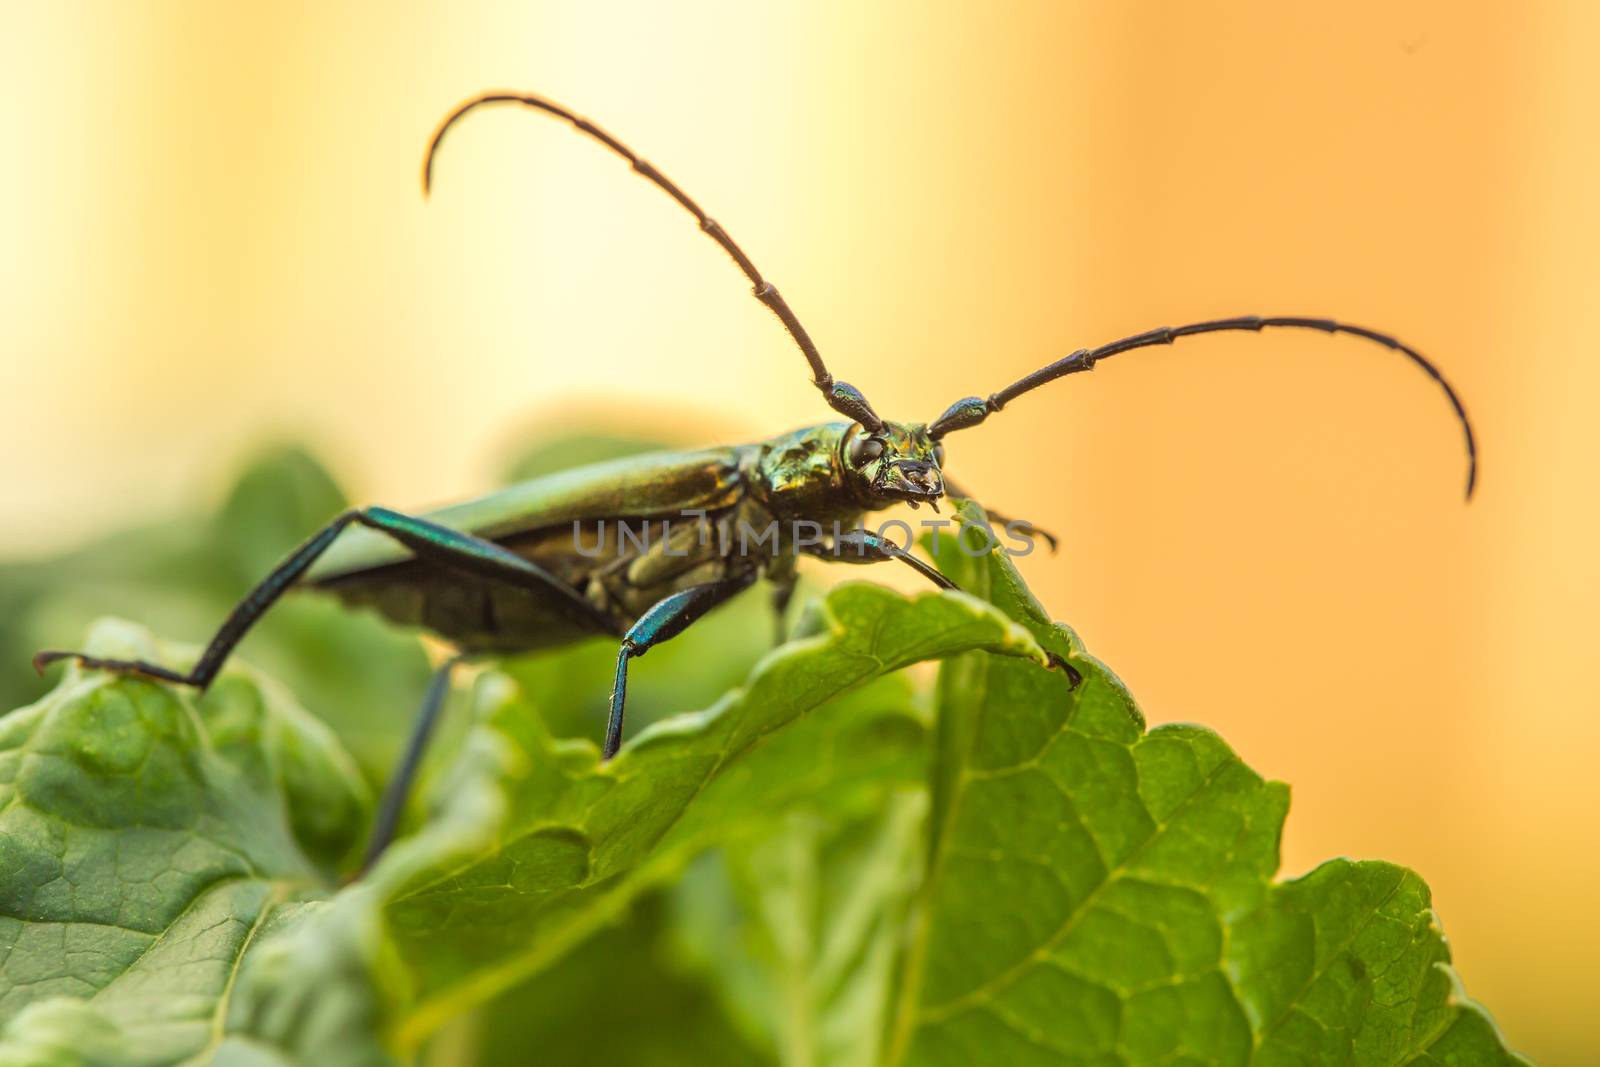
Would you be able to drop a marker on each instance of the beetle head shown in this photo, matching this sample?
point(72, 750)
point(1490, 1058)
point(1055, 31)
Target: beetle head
point(899, 462)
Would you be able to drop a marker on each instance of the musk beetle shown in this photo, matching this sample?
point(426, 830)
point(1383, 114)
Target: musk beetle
point(516, 571)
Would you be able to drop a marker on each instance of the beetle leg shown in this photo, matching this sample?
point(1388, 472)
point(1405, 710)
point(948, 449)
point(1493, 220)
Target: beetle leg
point(670, 616)
point(427, 540)
point(1015, 527)
point(395, 793)
point(782, 593)
point(863, 546)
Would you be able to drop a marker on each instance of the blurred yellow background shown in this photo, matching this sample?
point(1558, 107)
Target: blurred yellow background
point(214, 236)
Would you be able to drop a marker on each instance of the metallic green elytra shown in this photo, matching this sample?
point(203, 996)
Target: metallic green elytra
point(627, 533)
point(641, 547)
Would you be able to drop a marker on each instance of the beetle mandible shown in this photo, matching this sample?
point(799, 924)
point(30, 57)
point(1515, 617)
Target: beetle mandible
point(509, 572)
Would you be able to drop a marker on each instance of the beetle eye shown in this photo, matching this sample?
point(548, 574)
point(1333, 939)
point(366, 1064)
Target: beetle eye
point(938, 455)
point(864, 450)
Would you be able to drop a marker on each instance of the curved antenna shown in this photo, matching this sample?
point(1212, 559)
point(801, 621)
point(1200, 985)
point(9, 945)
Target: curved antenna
point(844, 398)
point(973, 410)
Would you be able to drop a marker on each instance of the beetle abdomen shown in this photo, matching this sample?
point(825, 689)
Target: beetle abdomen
point(475, 613)
point(621, 576)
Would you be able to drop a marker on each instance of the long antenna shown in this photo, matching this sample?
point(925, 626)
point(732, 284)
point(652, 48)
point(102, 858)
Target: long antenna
point(973, 410)
point(841, 396)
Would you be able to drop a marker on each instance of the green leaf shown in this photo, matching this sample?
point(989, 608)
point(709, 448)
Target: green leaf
point(1097, 893)
point(146, 841)
point(538, 846)
point(1079, 890)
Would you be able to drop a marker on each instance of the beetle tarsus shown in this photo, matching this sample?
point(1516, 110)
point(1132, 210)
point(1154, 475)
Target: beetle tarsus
point(1059, 663)
point(862, 546)
point(139, 667)
point(1028, 529)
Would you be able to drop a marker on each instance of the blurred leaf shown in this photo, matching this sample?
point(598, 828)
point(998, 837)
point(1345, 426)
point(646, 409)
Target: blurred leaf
point(145, 841)
point(1099, 894)
point(801, 926)
point(624, 997)
point(566, 451)
point(279, 500)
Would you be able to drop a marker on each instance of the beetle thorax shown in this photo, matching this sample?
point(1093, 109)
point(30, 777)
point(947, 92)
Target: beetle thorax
point(802, 476)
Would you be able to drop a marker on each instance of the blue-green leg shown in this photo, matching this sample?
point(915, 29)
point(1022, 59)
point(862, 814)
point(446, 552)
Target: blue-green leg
point(428, 540)
point(667, 619)
point(864, 546)
point(399, 787)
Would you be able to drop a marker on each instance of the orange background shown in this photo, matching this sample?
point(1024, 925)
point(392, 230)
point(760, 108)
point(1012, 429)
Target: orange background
point(214, 236)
